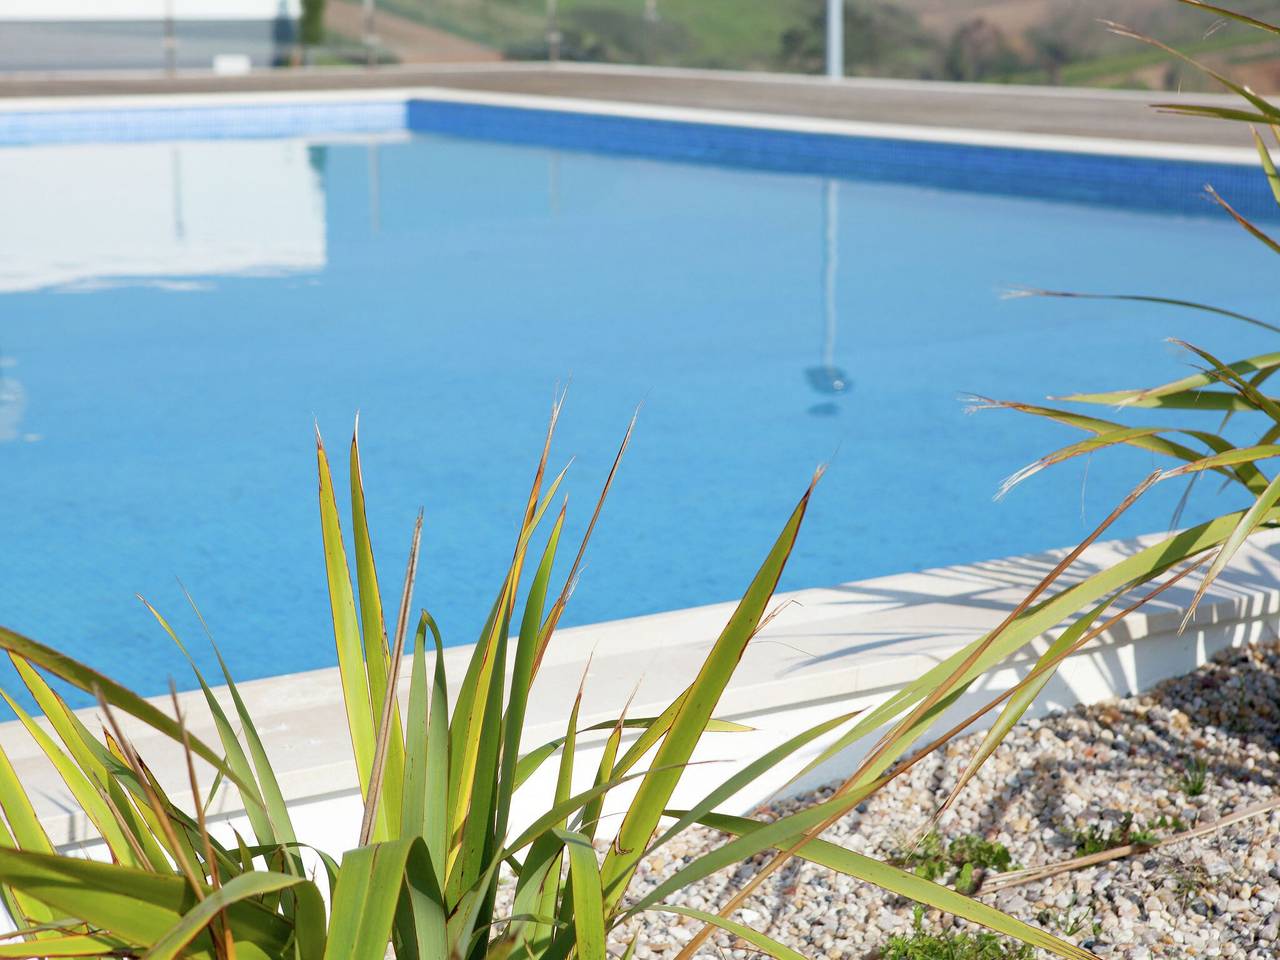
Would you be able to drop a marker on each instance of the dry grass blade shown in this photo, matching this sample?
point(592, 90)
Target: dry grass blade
point(557, 608)
point(939, 692)
point(1039, 671)
point(162, 815)
point(1241, 219)
point(1268, 164)
point(1097, 442)
point(1031, 874)
point(220, 928)
point(1226, 374)
point(1141, 298)
point(935, 744)
point(1263, 106)
point(393, 679)
point(934, 696)
point(1232, 15)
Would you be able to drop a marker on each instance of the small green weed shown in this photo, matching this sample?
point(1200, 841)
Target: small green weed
point(920, 945)
point(1095, 839)
point(957, 863)
point(1191, 881)
point(1195, 777)
point(1072, 920)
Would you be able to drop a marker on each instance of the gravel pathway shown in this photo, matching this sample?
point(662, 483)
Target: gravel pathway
point(1088, 767)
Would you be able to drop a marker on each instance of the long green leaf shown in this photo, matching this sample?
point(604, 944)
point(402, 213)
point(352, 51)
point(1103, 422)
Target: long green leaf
point(522, 674)
point(588, 905)
point(748, 775)
point(239, 888)
point(1023, 698)
point(1137, 568)
point(373, 629)
point(134, 905)
point(1256, 231)
point(691, 720)
point(84, 791)
point(346, 627)
point(1235, 381)
point(1245, 527)
point(652, 729)
point(1146, 298)
point(1140, 397)
point(437, 828)
point(371, 884)
point(75, 945)
point(767, 944)
point(91, 681)
point(1246, 476)
point(1259, 103)
point(27, 833)
point(1268, 165)
point(93, 761)
point(414, 809)
point(1233, 15)
point(913, 887)
point(259, 812)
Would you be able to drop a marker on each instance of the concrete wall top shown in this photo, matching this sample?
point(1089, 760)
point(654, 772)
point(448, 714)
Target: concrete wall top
point(99, 10)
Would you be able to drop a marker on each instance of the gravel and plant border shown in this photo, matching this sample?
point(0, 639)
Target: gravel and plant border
point(1137, 770)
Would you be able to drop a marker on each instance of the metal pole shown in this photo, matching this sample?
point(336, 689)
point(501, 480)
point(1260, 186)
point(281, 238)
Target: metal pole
point(170, 42)
point(835, 39)
point(553, 33)
point(370, 38)
point(375, 188)
point(830, 273)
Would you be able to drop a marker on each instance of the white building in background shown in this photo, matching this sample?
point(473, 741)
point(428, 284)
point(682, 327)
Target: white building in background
point(61, 35)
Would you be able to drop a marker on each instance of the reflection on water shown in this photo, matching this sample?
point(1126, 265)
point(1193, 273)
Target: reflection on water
point(139, 212)
point(827, 378)
point(13, 401)
point(447, 285)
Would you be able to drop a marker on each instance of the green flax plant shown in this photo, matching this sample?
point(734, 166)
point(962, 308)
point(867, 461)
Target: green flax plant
point(1222, 389)
point(439, 780)
point(1219, 389)
point(440, 775)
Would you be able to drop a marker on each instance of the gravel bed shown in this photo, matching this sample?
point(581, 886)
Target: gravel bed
point(1088, 766)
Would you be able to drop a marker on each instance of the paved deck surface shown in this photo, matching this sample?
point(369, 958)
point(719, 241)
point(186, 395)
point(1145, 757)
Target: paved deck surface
point(1075, 112)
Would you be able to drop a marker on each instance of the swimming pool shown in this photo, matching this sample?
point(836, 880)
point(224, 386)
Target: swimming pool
point(176, 313)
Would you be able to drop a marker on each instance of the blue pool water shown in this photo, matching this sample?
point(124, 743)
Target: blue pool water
point(174, 321)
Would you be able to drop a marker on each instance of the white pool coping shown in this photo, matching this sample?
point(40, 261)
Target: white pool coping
point(1105, 146)
point(830, 650)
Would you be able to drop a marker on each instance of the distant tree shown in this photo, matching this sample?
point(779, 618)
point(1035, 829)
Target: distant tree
point(1052, 53)
point(312, 25)
point(1070, 34)
point(879, 38)
point(605, 35)
point(978, 50)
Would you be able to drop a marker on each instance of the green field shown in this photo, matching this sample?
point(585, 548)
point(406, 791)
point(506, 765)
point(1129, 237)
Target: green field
point(993, 40)
point(743, 34)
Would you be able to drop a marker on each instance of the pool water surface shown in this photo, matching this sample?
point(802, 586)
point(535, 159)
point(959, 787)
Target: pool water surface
point(175, 318)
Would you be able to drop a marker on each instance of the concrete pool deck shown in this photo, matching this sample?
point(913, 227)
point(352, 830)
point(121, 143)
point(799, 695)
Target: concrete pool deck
point(829, 651)
point(1011, 109)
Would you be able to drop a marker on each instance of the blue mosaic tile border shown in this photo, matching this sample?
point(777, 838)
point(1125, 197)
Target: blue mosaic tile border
point(285, 119)
point(1131, 182)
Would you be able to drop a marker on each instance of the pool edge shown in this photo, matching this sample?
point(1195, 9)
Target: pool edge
point(900, 625)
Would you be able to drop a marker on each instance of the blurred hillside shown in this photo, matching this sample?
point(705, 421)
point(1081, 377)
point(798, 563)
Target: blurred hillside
point(1024, 41)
